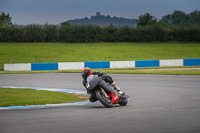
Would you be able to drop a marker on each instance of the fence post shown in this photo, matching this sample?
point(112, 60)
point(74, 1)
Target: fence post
point(11, 61)
point(194, 55)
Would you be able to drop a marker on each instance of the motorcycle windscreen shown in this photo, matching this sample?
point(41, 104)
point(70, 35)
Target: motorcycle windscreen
point(92, 82)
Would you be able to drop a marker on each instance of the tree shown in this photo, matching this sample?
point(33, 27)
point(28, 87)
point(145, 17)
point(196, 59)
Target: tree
point(176, 18)
point(194, 18)
point(167, 18)
point(50, 33)
point(5, 20)
point(179, 17)
point(5, 27)
point(66, 32)
point(146, 19)
point(33, 33)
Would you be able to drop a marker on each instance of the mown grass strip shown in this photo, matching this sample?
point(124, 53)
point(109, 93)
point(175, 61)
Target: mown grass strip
point(156, 72)
point(24, 97)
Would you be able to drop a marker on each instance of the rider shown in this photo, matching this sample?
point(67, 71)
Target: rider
point(87, 72)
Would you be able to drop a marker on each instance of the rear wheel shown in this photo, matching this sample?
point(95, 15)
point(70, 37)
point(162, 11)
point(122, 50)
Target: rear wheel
point(101, 96)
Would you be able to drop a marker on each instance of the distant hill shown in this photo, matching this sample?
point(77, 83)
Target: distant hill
point(102, 21)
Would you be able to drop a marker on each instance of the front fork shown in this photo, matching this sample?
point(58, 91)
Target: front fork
point(104, 93)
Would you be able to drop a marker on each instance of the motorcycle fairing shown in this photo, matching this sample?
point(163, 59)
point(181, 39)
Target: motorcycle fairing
point(114, 98)
point(92, 82)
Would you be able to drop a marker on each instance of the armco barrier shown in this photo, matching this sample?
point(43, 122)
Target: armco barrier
point(96, 65)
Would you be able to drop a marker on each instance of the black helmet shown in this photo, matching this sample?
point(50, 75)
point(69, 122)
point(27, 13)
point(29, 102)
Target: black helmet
point(86, 72)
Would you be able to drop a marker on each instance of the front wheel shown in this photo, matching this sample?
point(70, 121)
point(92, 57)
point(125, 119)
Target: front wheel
point(103, 99)
point(123, 100)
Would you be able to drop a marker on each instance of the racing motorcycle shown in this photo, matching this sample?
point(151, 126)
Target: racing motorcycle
point(104, 92)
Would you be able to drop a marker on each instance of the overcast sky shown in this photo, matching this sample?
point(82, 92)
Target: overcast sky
point(57, 11)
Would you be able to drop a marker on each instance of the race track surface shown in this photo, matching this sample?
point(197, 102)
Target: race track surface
point(162, 104)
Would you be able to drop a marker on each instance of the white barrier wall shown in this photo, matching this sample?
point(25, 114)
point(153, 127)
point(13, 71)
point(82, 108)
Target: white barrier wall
point(175, 62)
point(122, 64)
point(107, 64)
point(70, 65)
point(17, 67)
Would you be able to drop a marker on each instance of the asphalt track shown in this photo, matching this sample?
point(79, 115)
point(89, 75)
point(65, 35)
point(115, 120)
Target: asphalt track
point(163, 104)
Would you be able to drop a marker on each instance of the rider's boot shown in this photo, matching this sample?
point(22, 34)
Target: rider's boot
point(92, 98)
point(114, 84)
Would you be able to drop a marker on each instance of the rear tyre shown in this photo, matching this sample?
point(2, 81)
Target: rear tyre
point(103, 99)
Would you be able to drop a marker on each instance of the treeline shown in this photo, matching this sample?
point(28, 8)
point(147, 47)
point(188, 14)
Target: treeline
point(177, 26)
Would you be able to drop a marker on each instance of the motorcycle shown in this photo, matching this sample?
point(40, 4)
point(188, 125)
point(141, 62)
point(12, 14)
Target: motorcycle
point(104, 92)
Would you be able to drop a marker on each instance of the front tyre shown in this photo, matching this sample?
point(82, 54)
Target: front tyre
point(123, 100)
point(103, 99)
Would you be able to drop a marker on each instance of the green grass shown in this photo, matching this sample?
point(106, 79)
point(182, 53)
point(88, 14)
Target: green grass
point(23, 97)
point(84, 52)
point(154, 71)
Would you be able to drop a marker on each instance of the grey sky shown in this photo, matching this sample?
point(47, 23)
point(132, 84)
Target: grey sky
point(57, 11)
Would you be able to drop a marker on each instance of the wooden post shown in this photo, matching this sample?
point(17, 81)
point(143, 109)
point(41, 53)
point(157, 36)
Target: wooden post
point(11, 61)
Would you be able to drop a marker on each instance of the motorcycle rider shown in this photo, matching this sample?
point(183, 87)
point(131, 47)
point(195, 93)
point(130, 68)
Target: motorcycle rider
point(87, 72)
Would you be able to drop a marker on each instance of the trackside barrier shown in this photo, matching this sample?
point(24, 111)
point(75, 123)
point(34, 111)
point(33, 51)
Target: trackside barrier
point(70, 65)
point(191, 62)
point(122, 64)
point(44, 66)
point(147, 63)
point(17, 67)
point(176, 62)
point(97, 65)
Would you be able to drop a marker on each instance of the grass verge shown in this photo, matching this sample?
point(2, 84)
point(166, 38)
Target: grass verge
point(155, 70)
point(23, 97)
